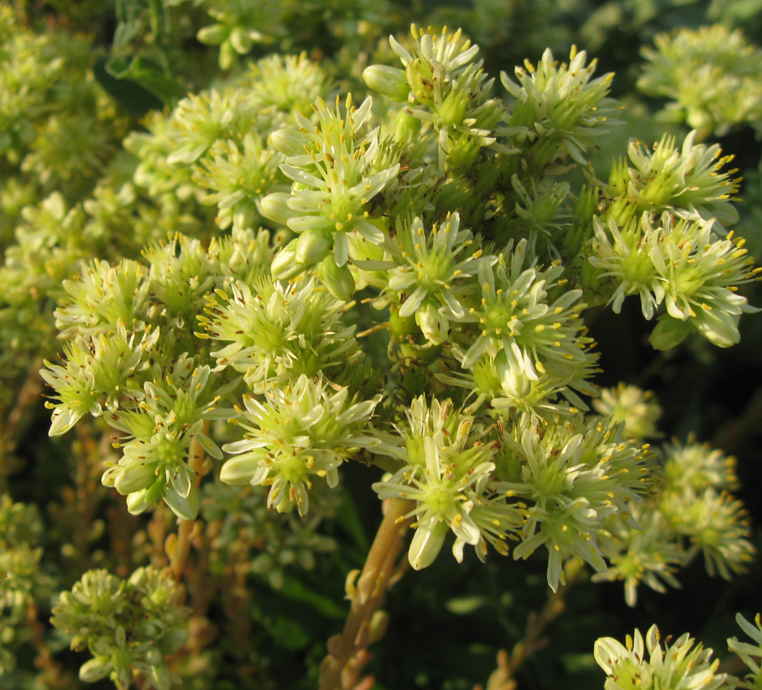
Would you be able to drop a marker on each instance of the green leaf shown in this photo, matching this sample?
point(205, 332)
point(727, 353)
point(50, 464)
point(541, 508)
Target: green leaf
point(134, 98)
point(669, 333)
point(148, 75)
point(294, 589)
point(349, 518)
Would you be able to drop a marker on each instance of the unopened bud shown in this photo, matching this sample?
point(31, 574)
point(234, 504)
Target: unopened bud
point(274, 207)
point(95, 669)
point(139, 501)
point(338, 280)
point(406, 127)
point(390, 81)
point(285, 265)
point(312, 246)
point(433, 325)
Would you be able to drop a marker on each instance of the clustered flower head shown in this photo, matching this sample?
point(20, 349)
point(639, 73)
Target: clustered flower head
point(240, 25)
point(710, 76)
point(129, 626)
point(447, 473)
point(689, 512)
point(681, 664)
point(277, 331)
point(678, 664)
point(333, 168)
point(432, 272)
point(570, 478)
point(546, 120)
point(22, 578)
point(299, 432)
point(445, 86)
point(442, 207)
point(682, 265)
point(130, 328)
point(636, 408)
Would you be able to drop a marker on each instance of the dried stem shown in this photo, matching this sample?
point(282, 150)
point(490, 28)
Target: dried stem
point(338, 672)
point(19, 418)
point(52, 670)
point(508, 664)
point(184, 534)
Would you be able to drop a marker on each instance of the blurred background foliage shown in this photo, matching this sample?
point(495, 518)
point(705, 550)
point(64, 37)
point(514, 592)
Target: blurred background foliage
point(76, 77)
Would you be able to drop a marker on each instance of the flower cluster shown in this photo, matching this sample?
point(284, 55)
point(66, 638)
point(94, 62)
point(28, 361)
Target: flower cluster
point(333, 165)
point(636, 408)
point(275, 332)
point(129, 626)
point(709, 74)
point(299, 432)
point(571, 479)
point(238, 26)
point(130, 329)
point(545, 123)
point(431, 275)
point(215, 147)
point(685, 266)
point(690, 512)
point(447, 472)
point(22, 579)
point(443, 85)
point(680, 664)
point(690, 181)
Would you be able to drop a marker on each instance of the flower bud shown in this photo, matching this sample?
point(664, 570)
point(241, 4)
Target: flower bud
point(658, 192)
point(619, 178)
point(174, 639)
point(274, 207)
point(463, 152)
point(433, 325)
point(453, 108)
point(134, 477)
point(406, 127)
point(338, 280)
point(587, 203)
point(139, 501)
point(312, 246)
point(289, 141)
point(621, 211)
point(241, 40)
point(213, 35)
point(379, 622)
point(95, 669)
point(390, 81)
point(285, 265)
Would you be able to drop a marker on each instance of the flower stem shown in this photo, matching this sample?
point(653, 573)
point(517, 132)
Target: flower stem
point(366, 599)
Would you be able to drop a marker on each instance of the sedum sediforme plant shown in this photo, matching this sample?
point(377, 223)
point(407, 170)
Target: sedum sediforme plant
point(295, 275)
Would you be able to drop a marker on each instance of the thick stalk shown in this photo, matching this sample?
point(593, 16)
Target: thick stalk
point(367, 596)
